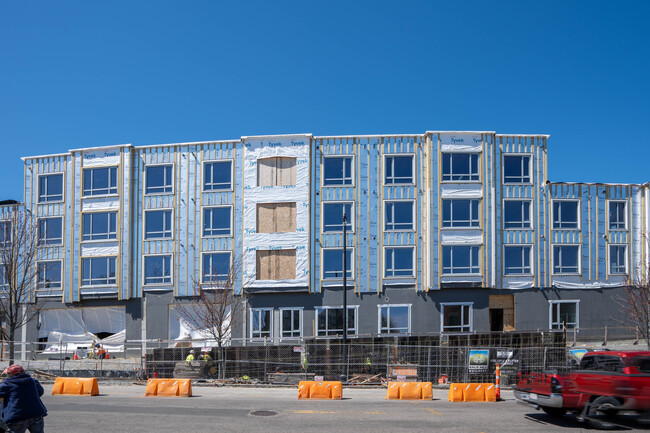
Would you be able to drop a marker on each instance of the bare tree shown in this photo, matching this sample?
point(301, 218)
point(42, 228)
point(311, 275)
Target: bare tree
point(215, 310)
point(634, 302)
point(18, 272)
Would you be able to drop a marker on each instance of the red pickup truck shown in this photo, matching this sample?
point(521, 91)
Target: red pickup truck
point(603, 384)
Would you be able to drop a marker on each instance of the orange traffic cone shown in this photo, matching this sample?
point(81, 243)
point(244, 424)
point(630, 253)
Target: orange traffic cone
point(75, 356)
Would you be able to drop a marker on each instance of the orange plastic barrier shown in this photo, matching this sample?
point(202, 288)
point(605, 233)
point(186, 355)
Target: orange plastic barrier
point(75, 386)
point(409, 391)
point(323, 389)
point(472, 392)
point(169, 388)
point(455, 392)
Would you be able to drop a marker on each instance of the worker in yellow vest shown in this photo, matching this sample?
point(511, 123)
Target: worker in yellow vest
point(190, 357)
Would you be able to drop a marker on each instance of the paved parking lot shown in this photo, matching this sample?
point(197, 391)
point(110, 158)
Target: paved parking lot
point(122, 408)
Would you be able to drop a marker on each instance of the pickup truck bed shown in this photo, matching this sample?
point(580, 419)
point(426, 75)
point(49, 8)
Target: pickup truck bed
point(603, 384)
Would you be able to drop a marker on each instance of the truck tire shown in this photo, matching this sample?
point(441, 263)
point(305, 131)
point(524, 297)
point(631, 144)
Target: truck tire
point(606, 405)
point(555, 412)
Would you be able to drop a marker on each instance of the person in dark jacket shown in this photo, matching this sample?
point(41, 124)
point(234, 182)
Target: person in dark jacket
point(22, 408)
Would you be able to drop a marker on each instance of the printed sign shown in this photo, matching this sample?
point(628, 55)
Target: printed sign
point(298, 349)
point(478, 360)
point(318, 378)
point(577, 354)
point(508, 359)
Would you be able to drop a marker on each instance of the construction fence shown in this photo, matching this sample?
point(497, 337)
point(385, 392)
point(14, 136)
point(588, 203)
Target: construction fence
point(373, 360)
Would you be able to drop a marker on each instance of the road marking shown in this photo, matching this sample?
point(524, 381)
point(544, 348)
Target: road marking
point(306, 411)
point(433, 411)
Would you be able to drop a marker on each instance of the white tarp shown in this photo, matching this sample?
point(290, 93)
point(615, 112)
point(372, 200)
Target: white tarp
point(265, 147)
point(78, 326)
point(68, 321)
point(100, 204)
point(99, 250)
point(103, 157)
point(62, 342)
point(518, 283)
point(461, 191)
point(461, 279)
point(461, 142)
point(567, 283)
point(461, 237)
point(181, 330)
point(106, 319)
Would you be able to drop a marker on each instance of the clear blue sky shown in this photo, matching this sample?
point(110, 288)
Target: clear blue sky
point(88, 73)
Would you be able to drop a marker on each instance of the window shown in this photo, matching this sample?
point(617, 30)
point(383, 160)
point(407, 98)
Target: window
point(333, 263)
point(216, 267)
point(97, 226)
point(460, 167)
point(617, 262)
point(516, 214)
point(50, 188)
point(276, 217)
point(398, 262)
point(333, 216)
point(217, 176)
point(261, 323)
point(159, 179)
point(100, 181)
point(399, 170)
point(460, 213)
point(617, 215)
point(3, 277)
point(565, 259)
point(399, 216)
point(157, 269)
point(291, 322)
point(460, 260)
point(158, 224)
point(394, 319)
point(329, 321)
point(276, 171)
point(564, 314)
point(217, 221)
point(565, 214)
point(517, 260)
point(276, 264)
point(516, 169)
point(5, 234)
point(98, 271)
point(49, 275)
point(456, 317)
point(337, 170)
point(50, 231)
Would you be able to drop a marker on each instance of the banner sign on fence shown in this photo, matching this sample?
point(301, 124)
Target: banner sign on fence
point(508, 359)
point(298, 349)
point(478, 360)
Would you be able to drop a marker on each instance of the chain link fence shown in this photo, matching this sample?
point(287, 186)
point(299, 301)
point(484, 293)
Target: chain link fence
point(438, 358)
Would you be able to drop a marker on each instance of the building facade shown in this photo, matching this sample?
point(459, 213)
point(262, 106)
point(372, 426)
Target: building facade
point(446, 232)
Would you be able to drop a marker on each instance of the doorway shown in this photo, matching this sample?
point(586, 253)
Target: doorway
point(502, 313)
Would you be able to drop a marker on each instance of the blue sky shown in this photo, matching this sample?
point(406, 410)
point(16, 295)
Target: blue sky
point(79, 74)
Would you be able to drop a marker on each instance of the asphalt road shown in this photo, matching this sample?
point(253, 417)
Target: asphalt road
point(122, 408)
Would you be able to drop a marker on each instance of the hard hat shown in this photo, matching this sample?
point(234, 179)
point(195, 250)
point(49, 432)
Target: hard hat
point(192, 351)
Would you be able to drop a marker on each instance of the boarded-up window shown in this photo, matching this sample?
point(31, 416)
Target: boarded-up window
point(276, 171)
point(276, 265)
point(276, 217)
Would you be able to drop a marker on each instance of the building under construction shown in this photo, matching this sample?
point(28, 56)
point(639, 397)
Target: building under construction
point(446, 232)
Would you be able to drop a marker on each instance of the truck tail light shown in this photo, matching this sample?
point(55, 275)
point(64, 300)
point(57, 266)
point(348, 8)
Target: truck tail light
point(556, 388)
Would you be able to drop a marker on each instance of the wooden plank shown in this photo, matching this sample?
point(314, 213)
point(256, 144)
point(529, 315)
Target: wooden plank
point(266, 172)
point(266, 218)
point(286, 171)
